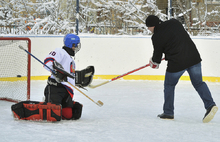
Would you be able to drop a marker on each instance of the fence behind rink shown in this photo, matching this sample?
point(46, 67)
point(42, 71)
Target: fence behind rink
point(115, 55)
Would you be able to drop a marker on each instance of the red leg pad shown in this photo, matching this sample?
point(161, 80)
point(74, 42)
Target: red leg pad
point(67, 113)
point(37, 111)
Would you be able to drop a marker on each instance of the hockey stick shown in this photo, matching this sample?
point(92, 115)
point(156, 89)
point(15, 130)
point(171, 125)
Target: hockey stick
point(115, 78)
point(36, 58)
point(99, 103)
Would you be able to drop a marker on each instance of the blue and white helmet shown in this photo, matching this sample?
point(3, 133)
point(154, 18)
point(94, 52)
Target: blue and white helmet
point(71, 39)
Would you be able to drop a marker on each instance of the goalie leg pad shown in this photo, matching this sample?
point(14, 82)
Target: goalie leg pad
point(67, 113)
point(18, 111)
point(84, 77)
point(72, 113)
point(77, 110)
point(36, 111)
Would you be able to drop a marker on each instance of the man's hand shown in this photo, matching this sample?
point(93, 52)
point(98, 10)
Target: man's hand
point(153, 65)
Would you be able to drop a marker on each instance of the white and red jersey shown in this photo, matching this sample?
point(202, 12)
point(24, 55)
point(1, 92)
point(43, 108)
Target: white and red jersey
point(62, 57)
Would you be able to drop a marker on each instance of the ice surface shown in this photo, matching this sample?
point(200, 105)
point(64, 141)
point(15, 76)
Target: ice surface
point(129, 114)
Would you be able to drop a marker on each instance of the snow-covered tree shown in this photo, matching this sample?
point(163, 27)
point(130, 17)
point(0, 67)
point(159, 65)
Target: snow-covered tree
point(125, 17)
point(14, 15)
point(118, 16)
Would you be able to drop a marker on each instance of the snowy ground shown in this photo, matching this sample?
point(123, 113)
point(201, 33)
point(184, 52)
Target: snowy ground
point(129, 114)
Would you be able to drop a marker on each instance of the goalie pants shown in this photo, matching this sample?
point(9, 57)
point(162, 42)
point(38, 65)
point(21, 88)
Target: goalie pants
point(56, 93)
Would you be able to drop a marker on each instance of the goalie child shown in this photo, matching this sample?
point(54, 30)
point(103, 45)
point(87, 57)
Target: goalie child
point(58, 92)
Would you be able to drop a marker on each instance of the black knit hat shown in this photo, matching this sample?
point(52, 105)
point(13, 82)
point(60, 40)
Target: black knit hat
point(152, 21)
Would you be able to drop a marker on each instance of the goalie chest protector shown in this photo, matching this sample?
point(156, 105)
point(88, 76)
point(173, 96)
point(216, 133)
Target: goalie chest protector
point(37, 111)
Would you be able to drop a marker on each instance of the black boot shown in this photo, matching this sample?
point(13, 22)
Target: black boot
point(165, 116)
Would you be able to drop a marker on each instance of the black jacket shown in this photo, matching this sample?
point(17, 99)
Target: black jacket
point(171, 39)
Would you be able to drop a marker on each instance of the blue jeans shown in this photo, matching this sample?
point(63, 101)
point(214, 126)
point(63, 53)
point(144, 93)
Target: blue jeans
point(171, 79)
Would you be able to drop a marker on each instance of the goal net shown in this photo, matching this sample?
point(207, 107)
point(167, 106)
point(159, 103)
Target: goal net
point(15, 69)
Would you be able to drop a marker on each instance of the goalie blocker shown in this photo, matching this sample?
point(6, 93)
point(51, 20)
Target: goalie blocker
point(42, 111)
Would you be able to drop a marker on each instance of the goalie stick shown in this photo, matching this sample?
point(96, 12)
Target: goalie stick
point(99, 103)
point(115, 78)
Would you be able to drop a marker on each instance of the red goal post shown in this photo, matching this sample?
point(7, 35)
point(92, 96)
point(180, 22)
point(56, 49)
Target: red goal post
point(15, 69)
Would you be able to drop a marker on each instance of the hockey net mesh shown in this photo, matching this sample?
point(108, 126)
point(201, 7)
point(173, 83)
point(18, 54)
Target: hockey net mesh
point(14, 75)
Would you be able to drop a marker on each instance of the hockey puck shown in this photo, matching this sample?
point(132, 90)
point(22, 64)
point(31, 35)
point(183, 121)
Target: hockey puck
point(18, 75)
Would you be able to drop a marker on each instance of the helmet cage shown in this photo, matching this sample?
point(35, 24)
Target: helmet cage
point(77, 47)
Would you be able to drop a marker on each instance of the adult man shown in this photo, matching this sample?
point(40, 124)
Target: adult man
point(171, 39)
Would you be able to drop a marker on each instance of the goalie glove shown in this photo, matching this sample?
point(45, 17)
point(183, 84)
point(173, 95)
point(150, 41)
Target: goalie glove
point(59, 73)
point(84, 77)
point(153, 65)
